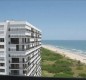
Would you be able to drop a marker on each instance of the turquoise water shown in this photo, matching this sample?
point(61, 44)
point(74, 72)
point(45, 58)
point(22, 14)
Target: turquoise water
point(72, 45)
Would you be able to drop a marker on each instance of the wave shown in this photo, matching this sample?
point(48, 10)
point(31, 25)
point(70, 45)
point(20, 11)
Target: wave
point(75, 51)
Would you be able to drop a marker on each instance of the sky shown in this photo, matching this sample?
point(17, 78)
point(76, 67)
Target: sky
point(57, 19)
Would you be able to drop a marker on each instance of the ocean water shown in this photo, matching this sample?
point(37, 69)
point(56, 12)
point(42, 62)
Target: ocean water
point(77, 46)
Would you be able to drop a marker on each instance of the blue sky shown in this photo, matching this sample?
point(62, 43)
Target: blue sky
point(58, 19)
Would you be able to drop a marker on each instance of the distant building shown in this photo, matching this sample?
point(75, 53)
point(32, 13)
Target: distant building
point(20, 44)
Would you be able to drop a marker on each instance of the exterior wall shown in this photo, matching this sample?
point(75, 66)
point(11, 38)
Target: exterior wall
point(3, 50)
point(23, 57)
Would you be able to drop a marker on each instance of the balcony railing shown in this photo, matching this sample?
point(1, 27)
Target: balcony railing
point(15, 67)
point(12, 62)
point(16, 50)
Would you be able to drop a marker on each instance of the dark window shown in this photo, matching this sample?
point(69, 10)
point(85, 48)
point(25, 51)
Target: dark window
point(8, 35)
point(9, 55)
point(8, 49)
point(23, 60)
point(1, 46)
point(1, 39)
point(2, 70)
point(14, 40)
point(1, 64)
point(28, 63)
point(15, 72)
point(15, 60)
point(9, 29)
point(24, 71)
point(14, 66)
point(17, 47)
point(8, 42)
point(22, 47)
point(23, 40)
point(24, 66)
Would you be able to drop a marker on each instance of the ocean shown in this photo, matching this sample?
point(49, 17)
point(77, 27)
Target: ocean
point(77, 46)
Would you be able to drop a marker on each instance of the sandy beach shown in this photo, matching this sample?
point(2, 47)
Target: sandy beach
point(71, 55)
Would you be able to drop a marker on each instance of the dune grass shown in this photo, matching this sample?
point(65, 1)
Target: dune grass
point(56, 65)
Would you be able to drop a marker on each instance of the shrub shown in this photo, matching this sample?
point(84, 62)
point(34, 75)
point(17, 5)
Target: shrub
point(63, 63)
point(69, 72)
point(56, 69)
point(82, 75)
point(50, 55)
point(64, 75)
point(79, 68)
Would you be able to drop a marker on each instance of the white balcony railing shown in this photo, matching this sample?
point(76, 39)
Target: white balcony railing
point(1, 49)
point(27, 33)
point(27, 27)
point(34, 58)
point(31, 70)
point(32, 39)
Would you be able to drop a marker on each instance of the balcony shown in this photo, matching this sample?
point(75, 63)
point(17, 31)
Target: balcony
point(17, 53)
point(27, 27)
point(32, 39)
point(14, 66)
point(37, 60)
point(27, 33)
point(33, 59)
point(39, 39)
point(1, 49)
point(14, 72)
point(14, 40)
point(17, 35)
point(19, 62)
point(16, 29)
point(17, 50)
point(31, 70)
point(33, 49)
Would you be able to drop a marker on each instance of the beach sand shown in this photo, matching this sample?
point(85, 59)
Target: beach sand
point(71, 55)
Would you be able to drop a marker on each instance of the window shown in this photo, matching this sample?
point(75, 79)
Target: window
point(2, 70)
point(14, 66)
point(1, 46)
point(1, 39)
point(9, 55)
point(1, 58)
point(1, 64)
point(24, 72)
point(17, 47)
point(8, 35)
point(8, 49)
point(9, 29)
point(14, 40)
point(15, 72)
point(23, 60)
point(15, 60)
point(23, 40)
point(22, 47)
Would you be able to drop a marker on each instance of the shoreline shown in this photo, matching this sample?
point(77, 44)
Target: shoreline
point(69, 54)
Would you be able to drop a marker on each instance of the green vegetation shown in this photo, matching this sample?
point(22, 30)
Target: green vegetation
point(56, 65)
point(82, 75)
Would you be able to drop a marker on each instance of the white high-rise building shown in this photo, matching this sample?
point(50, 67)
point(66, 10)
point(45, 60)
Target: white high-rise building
point(20, 44)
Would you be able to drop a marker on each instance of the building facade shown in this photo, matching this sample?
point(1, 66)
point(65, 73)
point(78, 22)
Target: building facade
point(20, 44)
